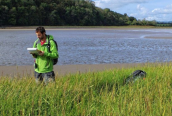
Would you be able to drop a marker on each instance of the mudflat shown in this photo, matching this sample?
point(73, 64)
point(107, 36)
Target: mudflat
point(61, 70)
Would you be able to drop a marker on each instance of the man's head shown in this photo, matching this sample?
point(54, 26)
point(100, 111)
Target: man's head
point(40, 32)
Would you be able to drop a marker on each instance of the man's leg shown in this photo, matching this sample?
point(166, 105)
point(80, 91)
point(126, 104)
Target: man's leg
point(48, 77)
point(38, 77)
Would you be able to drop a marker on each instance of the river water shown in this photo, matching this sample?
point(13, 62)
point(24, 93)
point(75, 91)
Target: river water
point(91, 46)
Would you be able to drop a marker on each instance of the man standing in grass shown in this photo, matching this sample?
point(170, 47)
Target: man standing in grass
point(43, 60)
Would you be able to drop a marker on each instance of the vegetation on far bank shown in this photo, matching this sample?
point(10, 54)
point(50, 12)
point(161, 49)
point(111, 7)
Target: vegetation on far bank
point(90, 27)
point(62, 13)
point(98, 93)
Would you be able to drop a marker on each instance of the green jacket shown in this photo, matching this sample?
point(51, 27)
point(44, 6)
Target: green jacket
point(45, 63)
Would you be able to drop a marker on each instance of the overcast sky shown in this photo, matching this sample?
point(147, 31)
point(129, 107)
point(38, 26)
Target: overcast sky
point(159, 10)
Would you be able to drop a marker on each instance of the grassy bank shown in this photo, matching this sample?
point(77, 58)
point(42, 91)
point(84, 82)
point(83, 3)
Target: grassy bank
point(99, 93)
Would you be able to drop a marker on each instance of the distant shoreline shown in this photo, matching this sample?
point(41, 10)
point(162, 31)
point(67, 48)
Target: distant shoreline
point(92, 28)
point(81, 27)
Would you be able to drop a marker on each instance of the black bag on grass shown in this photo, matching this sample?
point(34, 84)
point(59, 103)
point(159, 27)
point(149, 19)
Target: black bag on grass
point(137, 74)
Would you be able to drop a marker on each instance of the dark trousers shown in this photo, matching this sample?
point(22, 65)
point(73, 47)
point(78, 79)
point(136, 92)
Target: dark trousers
point(44, 77)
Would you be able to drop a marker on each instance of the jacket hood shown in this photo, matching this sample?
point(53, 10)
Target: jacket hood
point(50, 37)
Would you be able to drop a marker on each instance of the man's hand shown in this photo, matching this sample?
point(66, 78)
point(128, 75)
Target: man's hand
point(34, 55)
point(41, 53)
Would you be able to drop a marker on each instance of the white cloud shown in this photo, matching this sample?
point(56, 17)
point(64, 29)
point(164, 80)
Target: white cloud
point(140, 9)
point(167, 10)
point(161, 17)
point(158, 14)
point(140, 13)
point(161, 14)
point(114, 4)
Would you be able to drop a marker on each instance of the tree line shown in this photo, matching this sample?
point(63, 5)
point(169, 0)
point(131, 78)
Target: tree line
point(62, 13)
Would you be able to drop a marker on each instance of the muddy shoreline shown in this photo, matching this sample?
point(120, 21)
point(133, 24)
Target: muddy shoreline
point(62, 70)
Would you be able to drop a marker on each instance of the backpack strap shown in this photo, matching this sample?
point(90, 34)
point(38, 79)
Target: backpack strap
point(48, 44)
point(36, 44)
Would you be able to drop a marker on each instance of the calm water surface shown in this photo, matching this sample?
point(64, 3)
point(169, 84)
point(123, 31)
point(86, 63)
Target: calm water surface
point(91, 46)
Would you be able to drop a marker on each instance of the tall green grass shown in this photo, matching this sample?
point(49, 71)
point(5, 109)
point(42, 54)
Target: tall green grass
point(94, 94)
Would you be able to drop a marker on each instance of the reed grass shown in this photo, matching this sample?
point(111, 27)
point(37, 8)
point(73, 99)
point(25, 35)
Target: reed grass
point(90, 94)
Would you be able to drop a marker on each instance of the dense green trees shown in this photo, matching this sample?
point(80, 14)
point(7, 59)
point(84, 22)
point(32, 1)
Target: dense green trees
point(61, 12)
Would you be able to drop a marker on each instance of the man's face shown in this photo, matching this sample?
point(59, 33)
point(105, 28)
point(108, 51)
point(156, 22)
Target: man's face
point(40, 35)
